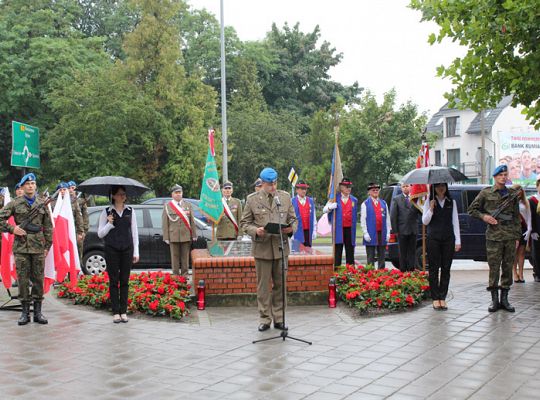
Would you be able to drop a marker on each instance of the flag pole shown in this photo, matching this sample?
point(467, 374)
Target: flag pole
point(336, 134)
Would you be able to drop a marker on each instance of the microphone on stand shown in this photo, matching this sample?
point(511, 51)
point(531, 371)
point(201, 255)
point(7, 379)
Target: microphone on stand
point(278, 201)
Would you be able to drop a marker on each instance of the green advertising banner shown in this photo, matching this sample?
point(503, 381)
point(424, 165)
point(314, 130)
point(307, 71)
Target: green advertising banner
point(25, 147)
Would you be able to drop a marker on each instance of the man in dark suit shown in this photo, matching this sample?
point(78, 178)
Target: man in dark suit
point(535, 235)
point(404, 218)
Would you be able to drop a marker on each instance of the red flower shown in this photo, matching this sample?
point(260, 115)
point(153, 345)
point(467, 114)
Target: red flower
point(409, 299)
point(379, 302)
point(181, 305)
point(397, 300)
point(154, 305)
point(394, 293)
point(161, 290)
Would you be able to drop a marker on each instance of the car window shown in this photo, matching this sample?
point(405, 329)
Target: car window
point(469, 196)
point(456, 195)
point(155, 217)
point(387, 195)
point(140, 218)
point(93, 218)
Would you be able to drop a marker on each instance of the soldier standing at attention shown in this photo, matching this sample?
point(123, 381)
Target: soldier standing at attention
point(502, 234)
point(30, 246)
point(269, 205)
point(179, 229)
point(227, 229)
point(83, 209)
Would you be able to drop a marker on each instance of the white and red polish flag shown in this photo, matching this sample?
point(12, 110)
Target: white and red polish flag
point(7, 261)
point(63, 257)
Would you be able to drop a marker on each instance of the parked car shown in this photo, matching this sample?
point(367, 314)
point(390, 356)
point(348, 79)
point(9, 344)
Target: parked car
point(194, 205)
point(473, 231)
point(153, 251)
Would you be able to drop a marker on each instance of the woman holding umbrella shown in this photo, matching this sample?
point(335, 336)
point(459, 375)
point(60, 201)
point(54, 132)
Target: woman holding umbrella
point(440, 214)
point(118, 228)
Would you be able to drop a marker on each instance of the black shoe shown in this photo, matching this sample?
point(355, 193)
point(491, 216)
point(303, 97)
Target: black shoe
point(264, 327)
point(38, 316)
point(494, 306)
point(281, 326)
point(25, 314)
point(504, 301)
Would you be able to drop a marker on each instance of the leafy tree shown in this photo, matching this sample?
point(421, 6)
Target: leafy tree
point(378, 141)
point(503, 55)
point(259, 138)
point(299, 80)
point(38, 47)
point(108, 19)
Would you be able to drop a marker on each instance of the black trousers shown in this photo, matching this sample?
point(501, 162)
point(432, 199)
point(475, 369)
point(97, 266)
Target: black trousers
point(380, 250)
point(119, 264)
point(307, 238)
point(407, 252)
point(349, 248)
point(535, 249)
point(440, 254)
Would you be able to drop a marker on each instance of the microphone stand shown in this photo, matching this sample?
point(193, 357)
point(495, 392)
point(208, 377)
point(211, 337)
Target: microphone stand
point(285, 332)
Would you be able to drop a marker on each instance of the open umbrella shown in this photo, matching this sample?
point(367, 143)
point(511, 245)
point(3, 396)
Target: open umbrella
point(430, 175)
point(101, 185)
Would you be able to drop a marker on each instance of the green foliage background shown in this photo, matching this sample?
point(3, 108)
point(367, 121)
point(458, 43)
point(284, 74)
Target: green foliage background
point(131, 88)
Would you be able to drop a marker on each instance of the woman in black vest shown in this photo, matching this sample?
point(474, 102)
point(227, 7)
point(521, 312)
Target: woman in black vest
point(443, 238)
point(118, 228)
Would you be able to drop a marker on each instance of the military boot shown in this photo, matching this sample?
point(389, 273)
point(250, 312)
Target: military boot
point(38, 316)
point(25, 314)
point(504, 301)
point(494, 306)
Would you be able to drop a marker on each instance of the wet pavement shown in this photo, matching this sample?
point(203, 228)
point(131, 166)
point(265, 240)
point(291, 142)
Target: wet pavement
point(463, 353)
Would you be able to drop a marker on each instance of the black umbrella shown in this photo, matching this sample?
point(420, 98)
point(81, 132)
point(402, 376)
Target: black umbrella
point(430, 175)
point(101, 185)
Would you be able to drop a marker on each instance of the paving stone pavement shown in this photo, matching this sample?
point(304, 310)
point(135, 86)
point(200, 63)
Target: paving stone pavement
point(463, 353)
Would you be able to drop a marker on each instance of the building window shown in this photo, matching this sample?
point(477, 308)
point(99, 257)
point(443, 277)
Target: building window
point(438, 158)
point(452, 126)
point(452, 158)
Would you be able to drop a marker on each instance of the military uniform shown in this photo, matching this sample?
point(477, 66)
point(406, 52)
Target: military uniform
point(259, 210)
point(500, 238)
point(83, 208)
point(178, 235)
point(226, 229)
point(29, 250)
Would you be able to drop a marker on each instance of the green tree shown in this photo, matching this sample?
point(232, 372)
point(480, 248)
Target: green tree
point(299, 81)
point(503, 50)
point(379, 142)
point(38, 47)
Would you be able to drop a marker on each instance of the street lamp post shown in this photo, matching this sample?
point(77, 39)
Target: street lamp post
point(225, 171)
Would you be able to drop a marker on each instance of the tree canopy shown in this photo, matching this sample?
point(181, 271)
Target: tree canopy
point(503, 56)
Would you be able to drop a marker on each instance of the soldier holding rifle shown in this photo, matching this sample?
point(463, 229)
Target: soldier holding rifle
point(498, 207)
point(33, 239)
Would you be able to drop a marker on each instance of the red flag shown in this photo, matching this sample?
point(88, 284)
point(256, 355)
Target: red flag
point(63, 255)
point(420, 191)
point(211, 141)
point(7, 261)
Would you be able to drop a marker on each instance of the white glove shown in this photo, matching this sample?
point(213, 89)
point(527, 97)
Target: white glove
point(387, 238)
point(534, 236)
point(526, 234)
point(166, 241)
point(367, 238)
point(329, 206)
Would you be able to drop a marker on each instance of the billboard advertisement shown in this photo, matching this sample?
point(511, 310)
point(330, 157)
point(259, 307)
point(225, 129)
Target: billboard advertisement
point(521, 152)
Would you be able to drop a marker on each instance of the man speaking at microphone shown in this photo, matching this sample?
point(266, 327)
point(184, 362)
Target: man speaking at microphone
point(269, 205)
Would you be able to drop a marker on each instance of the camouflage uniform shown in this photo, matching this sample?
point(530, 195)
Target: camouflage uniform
point(500, 238)
point(83, 207)
point(29, 250)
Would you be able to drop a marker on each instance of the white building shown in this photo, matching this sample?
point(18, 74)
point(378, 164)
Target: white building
point(508, 134)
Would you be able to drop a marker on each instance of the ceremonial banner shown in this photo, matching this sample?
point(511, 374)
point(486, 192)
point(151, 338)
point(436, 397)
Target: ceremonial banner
point(210, 203)
point(7, 261)
point(419, 192)
point(336, 175)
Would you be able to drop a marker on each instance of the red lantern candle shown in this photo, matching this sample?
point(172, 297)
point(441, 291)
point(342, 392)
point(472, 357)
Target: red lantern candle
point(200, 295)
point(332, 299)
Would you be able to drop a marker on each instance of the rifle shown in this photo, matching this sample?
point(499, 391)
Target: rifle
point(508, 200)
point(26, 223)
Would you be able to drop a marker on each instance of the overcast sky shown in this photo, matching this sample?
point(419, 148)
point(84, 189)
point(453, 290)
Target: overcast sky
point(383, 42)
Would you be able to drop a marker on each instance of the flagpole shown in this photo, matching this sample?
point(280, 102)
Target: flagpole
point(336, 134)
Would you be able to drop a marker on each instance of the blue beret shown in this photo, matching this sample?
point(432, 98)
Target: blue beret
point(17, 186)
point(71, 183)
point(27, 177)
point(499, 169)
point(62, 185)
point(268, 175)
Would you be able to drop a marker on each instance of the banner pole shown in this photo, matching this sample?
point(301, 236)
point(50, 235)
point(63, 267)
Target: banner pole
point(423, 248)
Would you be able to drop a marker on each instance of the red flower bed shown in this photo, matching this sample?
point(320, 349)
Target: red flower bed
point(154, 293)
point(366, 288)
